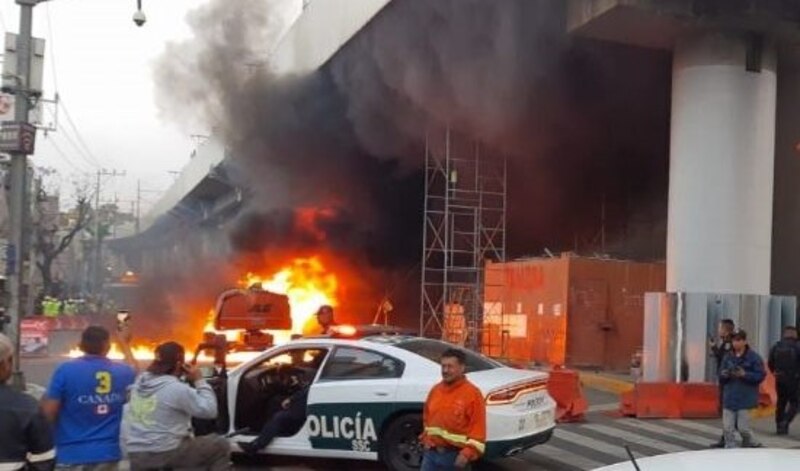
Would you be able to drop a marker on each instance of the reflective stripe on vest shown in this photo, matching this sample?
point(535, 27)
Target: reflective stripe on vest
point(455, 438)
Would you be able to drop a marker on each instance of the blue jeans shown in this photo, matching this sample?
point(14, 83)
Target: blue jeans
point(433, 460)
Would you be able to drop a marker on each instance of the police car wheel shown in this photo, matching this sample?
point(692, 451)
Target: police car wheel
point(400, 449)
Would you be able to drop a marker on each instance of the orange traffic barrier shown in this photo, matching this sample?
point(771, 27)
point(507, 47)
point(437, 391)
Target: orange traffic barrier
point(767, 394)
point(565, 388)
point(671, 401)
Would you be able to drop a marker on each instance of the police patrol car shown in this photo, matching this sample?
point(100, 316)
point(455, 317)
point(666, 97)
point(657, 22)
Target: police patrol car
point(763, 459)
point(367, 394)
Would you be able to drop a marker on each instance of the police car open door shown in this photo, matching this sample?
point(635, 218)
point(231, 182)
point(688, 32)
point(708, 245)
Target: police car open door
point(355, 391)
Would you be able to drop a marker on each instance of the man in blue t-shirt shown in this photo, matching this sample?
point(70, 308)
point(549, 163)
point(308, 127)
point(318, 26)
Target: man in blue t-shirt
point(85, 400)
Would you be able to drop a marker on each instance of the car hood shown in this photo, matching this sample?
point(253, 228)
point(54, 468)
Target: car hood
point(496, 378)
point(763, 459)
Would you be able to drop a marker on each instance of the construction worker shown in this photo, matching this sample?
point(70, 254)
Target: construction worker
point(321, 323)
point(50, 307)
point(454, 418)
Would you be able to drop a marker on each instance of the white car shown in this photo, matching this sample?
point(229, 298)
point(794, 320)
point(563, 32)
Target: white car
point(367, 394)
point(762, 459)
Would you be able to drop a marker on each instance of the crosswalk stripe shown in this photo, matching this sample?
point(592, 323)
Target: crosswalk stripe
point(771, 442)
point(588, 442)
point(638, 439)
point(666, 431)
point(698, 426)
point(566, 457)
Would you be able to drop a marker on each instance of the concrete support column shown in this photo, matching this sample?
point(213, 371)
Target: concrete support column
point(721, 165)
point(786, 219)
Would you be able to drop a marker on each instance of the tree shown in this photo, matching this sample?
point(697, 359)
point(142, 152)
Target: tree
point(52, 240)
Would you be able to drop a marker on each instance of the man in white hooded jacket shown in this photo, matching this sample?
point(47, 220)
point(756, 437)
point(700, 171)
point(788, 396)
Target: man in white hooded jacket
point(161, 408)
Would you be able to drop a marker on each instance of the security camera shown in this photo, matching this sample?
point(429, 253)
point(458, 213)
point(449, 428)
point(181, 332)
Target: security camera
point(139, 18)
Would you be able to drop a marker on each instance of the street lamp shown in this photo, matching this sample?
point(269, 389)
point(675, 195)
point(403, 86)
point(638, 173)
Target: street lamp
point(139, 17)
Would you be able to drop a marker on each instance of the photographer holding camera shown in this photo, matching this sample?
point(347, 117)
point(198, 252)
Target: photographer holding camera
point(741, 372)
point(160, 413)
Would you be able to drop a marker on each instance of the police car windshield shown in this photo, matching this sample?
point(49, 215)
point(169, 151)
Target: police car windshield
point(433, 349)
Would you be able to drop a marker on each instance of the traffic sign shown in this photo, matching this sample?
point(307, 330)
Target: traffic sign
point(17, 137)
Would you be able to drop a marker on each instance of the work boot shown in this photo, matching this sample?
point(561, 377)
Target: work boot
point(782, 429)
point(249, 448)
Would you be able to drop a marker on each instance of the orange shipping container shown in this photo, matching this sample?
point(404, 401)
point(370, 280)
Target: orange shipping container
point(577, 311)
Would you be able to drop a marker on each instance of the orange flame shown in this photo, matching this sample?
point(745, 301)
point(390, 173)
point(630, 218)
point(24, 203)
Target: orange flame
point(306, 282)
point(308, 285)
point(147, 354)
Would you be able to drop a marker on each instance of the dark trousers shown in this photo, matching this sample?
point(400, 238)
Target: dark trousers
point(282, 424)
point(786, 408)
point(209, 452)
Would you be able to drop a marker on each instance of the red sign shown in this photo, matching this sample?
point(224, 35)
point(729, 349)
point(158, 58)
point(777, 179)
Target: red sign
point(34, 337)
point(17, 137)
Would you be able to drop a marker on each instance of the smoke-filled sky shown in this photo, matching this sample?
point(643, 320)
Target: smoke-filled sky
point(584, 125)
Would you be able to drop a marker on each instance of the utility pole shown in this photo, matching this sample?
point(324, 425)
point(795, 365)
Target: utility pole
point(18, 207)
point(98, 240)
point(138, 204)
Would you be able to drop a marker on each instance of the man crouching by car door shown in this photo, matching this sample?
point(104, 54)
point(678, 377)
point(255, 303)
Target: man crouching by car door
point(161, 410)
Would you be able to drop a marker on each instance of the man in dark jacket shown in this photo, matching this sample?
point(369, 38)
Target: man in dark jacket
point(719, 348)
point(285, 422)
point(741, 372)
point(784, 362)
point(26, 441)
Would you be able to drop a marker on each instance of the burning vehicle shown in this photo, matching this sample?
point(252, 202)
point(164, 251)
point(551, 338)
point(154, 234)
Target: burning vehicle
point(245, 316)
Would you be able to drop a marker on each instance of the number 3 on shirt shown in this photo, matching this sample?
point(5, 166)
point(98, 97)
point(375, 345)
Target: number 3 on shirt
point(103, 382)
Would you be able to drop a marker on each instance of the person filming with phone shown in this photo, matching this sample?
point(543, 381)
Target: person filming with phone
point(160, 413)
point(741, 373)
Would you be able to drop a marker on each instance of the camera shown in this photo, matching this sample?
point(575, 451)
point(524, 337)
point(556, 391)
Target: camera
point(139, 18)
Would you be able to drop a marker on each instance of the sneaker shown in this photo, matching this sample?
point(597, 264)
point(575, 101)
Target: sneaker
point(746, 444)
point(719, 444)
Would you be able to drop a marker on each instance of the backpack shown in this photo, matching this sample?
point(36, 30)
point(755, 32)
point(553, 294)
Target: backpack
point(785, 359)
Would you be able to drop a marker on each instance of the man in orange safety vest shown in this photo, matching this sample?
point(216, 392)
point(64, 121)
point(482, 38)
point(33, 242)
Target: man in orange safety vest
point(454, 418)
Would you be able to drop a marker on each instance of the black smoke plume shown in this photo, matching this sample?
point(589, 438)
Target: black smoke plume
point(584, 124)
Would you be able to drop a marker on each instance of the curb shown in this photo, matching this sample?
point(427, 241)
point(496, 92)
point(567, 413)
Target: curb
point(604, 383)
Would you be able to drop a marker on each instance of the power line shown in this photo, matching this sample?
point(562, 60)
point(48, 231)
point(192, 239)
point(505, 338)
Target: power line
point(51, 43)
point(78, 134)
point(80, 152)
point(64, 155)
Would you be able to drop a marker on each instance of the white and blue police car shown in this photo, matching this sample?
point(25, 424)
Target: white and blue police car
point(367, 394)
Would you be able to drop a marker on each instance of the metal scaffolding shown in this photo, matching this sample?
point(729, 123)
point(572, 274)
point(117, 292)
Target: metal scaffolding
point(464, 226)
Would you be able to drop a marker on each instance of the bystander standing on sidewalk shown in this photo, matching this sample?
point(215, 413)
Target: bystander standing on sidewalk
point(784, 362)
point(26, 441)
point(741, 373)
